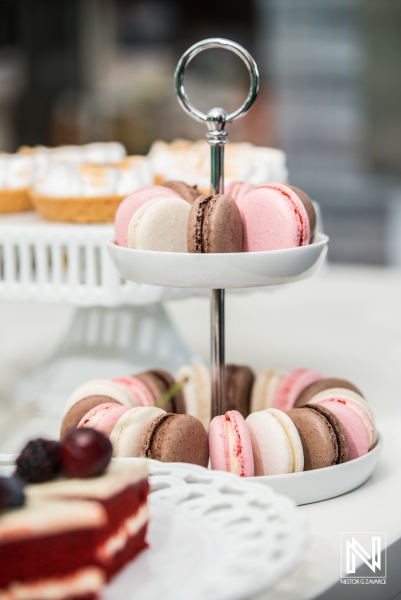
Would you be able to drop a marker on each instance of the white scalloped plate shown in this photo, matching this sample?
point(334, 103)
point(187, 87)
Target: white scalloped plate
point(211, 536)
point(211, 271)
point(321, 484)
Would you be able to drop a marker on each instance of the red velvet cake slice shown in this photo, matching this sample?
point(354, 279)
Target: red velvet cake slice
point(47, 550)
point(122, 492)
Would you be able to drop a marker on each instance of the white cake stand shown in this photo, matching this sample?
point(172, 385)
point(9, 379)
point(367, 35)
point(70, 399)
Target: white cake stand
point(218, 272)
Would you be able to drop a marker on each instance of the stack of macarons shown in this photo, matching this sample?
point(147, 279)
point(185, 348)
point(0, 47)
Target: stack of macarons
point(142, 390)
point(176, 217)
point(297, 426)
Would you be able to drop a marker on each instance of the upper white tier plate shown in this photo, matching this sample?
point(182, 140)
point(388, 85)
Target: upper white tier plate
point(219, 271)
point(322, 484)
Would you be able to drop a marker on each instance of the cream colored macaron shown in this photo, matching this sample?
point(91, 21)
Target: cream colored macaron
point(160, 224)
point(265, 388)
point(276, 444)
point(196, 392)
point(127, 433)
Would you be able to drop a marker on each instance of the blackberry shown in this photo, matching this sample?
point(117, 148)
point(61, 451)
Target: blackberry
point(39, 461)
point(11, 492)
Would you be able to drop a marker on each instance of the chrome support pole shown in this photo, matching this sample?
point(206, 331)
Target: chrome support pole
point(216, 120)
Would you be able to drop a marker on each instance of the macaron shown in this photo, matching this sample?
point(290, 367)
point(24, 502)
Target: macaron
point(126, 435)
point(273, 218)
point(131, 203)
point(176, 438)
point(103, 417)
point(265, 388)
point(355, 415)
point(141, 395)
point(188, 192)
point(158, 382)
point(214, 225)
point(196, 392)
point(160, 225)
point(324, 384)
point(87, 396)
point(323, 437)
point(292, 385)
point(276, 444)
point(230, 445)
point(239, 382)
point(310, 209)
point(238, 189)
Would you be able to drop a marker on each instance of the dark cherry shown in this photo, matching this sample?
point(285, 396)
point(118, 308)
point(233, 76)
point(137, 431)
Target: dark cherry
point(39, 461)
point(12, 492)
point(85, 452)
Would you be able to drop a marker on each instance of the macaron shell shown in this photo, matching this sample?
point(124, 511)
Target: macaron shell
point(324, 384)
point(357, 434)
point(79, 410)
point(131, 203)
point(126, 434)
point(239, 382)
point(187, 192)
point(318, 438)
point(196, 392)
point(100, 387)
point(176, 438)
point(218, 444)
point(292, 385)
point(265, 388)
point(160, 225)
point(293, 437)
point(310, 209)
point(103, 417)
point(272, 452)
point(338, 429)
point(141, 395)
point(238, 189)
point(273, 218)
point(230, 445)
point(214, 225)
point(356, 403)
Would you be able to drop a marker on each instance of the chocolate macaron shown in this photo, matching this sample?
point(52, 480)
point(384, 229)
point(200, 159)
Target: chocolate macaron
point(321, 385)
point(323, 437)
point(176, 438)
point(239, 382)
point(214, 225)
point(310, 209)
point(158, 382)
point(188, 192)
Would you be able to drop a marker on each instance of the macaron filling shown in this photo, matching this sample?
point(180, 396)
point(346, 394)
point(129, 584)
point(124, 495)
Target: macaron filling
point(203, 219)
point(236, 460)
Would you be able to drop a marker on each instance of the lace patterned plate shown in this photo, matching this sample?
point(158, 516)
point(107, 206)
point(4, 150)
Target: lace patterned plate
point(211, 536)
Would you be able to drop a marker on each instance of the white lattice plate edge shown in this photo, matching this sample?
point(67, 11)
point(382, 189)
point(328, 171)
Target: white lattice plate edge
point(212, 536)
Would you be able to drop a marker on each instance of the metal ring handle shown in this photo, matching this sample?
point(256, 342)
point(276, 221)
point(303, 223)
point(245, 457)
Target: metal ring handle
point(206, 45)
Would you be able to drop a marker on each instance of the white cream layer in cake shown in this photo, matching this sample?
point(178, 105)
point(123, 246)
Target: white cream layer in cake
point(118, 476)
point(86, 581)
point(41, 516)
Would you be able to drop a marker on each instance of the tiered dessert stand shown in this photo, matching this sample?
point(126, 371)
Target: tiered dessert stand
point(218, 272)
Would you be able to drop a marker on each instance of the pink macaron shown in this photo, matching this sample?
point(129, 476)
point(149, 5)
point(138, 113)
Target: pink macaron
point(230, 445)
point(131, 203)
point(238, 189)
point(292, 385)
point(103, 417)
point(273, 218)
point(355, 415)
point(141, 395)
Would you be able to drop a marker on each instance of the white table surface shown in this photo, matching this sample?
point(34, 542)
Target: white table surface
point(345, 323)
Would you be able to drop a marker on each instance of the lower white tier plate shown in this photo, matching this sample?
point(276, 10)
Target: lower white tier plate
point(211, 536)
point(322, 484)
point(218, 271)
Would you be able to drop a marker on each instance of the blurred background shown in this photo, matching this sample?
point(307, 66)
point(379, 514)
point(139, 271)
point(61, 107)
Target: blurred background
point(75, 71)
